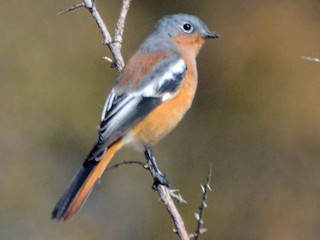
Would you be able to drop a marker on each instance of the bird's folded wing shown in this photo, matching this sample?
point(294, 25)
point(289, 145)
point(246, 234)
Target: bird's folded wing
point(126, 106)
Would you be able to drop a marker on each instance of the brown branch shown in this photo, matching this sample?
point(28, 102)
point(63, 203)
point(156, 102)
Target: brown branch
point(126, 163)
point(113, 45)
point(121, 21)
point(107, 39)
point(74, 7)
point(165, 197)
point(177, 196)
point(199, 216)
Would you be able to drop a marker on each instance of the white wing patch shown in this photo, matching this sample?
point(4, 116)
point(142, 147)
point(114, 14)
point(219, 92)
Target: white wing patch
point(168, 76)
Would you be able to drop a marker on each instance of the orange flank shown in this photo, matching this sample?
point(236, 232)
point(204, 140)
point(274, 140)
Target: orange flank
point(166, 116)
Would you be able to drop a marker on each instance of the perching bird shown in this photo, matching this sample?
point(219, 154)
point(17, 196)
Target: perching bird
point(152, 94)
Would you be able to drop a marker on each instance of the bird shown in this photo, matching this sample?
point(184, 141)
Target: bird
point(151, 95)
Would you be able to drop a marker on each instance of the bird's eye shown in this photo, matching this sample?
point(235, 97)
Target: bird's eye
point(187, 28)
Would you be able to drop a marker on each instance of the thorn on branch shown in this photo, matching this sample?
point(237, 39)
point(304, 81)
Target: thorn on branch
point(195, 236)
point(112, 63)
point(165, 197)
point(74, 7)
point(177, 196)
point(108, 59)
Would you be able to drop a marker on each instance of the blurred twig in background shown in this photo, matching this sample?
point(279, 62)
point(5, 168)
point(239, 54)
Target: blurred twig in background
point(311, 59)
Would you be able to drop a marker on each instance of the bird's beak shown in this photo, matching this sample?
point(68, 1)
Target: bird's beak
point(209, 34)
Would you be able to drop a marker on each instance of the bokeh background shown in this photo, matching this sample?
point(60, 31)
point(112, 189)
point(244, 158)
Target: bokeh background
point(255, 119)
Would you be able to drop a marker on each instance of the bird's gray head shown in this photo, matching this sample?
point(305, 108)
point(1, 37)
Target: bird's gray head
point(183, 24)
point(183, 30)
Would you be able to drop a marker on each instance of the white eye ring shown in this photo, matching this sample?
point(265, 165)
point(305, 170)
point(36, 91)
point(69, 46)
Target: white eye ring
point(187, 28)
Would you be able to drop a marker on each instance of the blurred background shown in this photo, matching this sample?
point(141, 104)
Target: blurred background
point(255, 119)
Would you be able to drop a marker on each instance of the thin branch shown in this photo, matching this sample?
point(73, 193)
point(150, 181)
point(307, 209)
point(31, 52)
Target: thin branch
point(126, 163)
point(107, 39)
point(165, 197)
point(199, 216)
point(121, 21)
point(113, 45)
point(91, 6)
point(74, 7)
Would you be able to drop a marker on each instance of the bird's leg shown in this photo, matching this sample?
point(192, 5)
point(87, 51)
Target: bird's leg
point(158, 176)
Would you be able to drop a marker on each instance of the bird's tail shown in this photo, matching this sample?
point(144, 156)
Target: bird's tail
point(82, 184)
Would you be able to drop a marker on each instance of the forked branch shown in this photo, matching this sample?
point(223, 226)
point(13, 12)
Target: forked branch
point(114, 44)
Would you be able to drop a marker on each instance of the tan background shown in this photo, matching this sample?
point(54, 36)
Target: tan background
point(256, 119)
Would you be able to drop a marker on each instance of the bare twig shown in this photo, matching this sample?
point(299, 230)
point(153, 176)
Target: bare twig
point(160, 184)
point(74, 7)
point(311, 59)
point(199, 216)
point(107, 40)
point(113, 45)
point(165, 197)
point(126, 163)
point(121, 21)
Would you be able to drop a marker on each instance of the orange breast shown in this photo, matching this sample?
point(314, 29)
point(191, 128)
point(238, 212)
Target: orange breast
point(189, 44)
point(166, 116)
